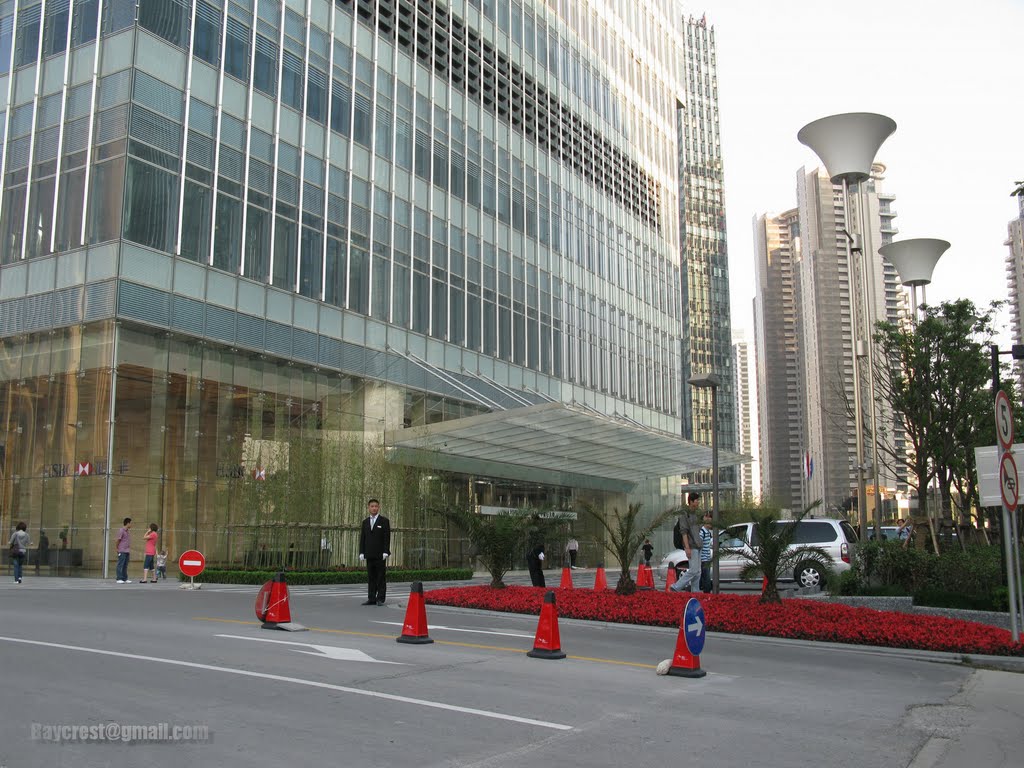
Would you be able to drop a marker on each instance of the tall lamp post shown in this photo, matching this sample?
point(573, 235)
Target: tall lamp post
point(712, 382)
point(847, 145)
point(915, 260)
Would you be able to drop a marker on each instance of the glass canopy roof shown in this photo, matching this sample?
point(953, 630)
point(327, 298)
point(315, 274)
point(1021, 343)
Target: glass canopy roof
point(555, 442)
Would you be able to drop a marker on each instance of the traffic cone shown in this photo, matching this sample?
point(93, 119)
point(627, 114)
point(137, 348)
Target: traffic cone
point(649, 577)
point(414, 629)
point(600, 579)
point(272, 606)
point(764, 584)
point(670, 577)
point(547, 644)
point(566, 578)
point(644, 580)
point(684, 663)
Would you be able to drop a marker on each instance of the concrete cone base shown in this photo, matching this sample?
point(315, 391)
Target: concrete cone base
point(683, 672)
point(289, 626)
point(540, 653)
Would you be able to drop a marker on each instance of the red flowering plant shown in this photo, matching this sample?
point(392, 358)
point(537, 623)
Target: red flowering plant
point(744, 614)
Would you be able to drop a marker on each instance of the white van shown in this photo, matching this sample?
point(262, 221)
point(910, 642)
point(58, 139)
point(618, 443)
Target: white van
point(837, 537)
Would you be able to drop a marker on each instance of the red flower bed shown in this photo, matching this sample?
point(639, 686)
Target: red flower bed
point(743, 614)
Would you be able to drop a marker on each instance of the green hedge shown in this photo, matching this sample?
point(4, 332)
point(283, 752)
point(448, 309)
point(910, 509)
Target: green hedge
point(956, 579)
point(239, 576)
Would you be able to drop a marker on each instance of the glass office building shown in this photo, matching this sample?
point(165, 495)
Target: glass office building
point(707, 328)
point(262, 260)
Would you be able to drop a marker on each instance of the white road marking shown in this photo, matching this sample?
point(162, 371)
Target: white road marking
point(324, 651)
point(458, 629)
point(297, 681)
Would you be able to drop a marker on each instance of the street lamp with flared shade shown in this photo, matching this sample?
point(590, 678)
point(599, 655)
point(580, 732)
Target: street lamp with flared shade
point(847, 144)
point(915, 260)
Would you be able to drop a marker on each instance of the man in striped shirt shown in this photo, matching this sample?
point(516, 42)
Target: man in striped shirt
point(706, 536)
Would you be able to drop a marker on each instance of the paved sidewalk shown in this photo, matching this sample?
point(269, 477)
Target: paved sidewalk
point(980, 726)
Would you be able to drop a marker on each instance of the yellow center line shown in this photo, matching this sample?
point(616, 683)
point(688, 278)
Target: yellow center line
point(477, 646)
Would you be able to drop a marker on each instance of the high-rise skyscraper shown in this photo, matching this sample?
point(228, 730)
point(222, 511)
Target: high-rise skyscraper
point(263, 259)
point(1015, 278)
point(778, 359)
point(746, 414)
point(819, 460)
point(706, 336)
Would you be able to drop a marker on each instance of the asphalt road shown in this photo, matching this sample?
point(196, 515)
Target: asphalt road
point(91, 653)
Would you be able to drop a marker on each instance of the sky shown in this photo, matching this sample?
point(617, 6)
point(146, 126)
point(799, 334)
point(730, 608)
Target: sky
point(949, 73)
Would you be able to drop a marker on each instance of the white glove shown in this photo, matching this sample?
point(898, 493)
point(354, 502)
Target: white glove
point(386, 555)
point(361, 558)
point(540, 556)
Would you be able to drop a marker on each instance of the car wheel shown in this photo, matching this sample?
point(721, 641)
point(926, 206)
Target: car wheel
point(809, 575)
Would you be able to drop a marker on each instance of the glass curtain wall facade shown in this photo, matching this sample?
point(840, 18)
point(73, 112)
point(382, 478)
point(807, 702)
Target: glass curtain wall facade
point(707, 328)
point(498, 177)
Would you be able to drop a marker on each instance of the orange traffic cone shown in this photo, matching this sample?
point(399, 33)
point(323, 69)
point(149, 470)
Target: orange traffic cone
point(686, 662)
point(272, 606)
point(670, 577)
point(414, 629)
point(600, 579)
point(566, 578)
point(644, 580)
point(547, 644)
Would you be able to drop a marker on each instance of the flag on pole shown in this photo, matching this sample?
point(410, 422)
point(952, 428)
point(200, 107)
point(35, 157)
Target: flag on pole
point(808, 465)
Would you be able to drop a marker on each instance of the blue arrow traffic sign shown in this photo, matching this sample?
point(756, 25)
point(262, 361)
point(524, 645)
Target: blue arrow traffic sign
point(693, 626)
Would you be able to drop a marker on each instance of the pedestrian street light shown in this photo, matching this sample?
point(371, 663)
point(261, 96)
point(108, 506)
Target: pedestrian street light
point(915, 260)
point(712, 382)
point(847, 145)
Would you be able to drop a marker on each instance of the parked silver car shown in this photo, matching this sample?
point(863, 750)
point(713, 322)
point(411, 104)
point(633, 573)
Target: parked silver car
point(889, 532)
point(836, 537)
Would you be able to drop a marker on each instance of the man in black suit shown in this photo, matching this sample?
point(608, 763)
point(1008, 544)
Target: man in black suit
point(534, 561)
point(375, 547)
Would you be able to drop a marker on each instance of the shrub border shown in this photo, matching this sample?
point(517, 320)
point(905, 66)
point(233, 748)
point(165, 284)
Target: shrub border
point(225, 576)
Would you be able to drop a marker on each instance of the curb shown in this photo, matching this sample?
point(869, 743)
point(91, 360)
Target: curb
point(980, 661)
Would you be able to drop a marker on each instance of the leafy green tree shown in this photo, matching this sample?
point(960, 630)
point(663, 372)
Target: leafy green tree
point(624, 537)
point(773, 556)
point(931, 374)
point(497, 538)
point(964, 399)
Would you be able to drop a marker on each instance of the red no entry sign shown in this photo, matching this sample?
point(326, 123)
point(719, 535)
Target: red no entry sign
point(191, 563)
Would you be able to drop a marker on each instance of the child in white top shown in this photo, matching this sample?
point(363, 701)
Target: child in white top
point(161, 564)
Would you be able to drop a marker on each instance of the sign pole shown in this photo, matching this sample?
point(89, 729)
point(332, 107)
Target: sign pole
point(1010, 497)
point(1018, 608)
point(1011, 576)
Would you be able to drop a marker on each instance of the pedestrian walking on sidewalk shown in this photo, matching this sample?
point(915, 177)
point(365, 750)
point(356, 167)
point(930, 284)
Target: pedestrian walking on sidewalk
point(124, 550)
point(707, 536)
point(161, 565)
point(571, 548)
point(147, 564)
point(689, 525)
point(18, 544)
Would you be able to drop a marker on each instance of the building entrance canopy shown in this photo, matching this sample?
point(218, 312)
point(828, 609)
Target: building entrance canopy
point(553, 443)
